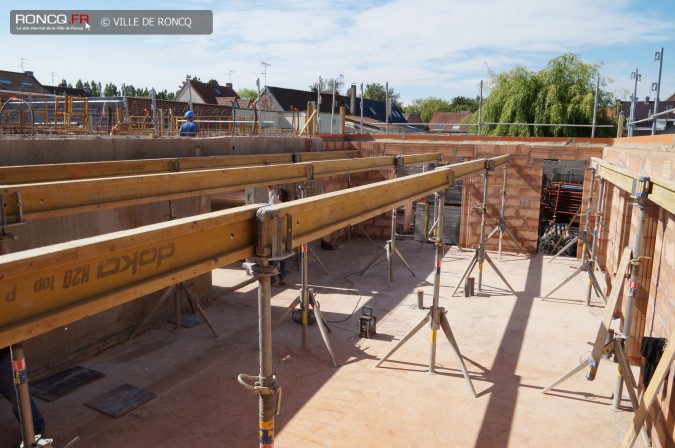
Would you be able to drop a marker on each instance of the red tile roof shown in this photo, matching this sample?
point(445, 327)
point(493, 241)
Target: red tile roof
point(449, 122)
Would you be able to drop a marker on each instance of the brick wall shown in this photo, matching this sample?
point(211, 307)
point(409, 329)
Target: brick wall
point(654, 311)
point(524, 179)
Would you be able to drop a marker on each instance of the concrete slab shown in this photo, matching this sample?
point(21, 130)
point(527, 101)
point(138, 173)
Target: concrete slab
point(513, 346)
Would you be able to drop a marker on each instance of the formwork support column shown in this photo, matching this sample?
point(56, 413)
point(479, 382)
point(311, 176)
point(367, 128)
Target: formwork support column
point(641, 189)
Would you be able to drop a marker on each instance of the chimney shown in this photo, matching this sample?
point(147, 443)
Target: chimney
point(29, 73)
point(352, 100)
point(228, 84)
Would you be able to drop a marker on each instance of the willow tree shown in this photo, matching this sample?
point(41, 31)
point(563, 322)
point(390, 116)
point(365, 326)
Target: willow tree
point(563, 92)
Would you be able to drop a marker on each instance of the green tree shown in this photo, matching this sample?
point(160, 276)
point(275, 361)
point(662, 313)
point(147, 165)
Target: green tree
point(462, 103)
point(78, 84)
point(427, 106)
point(110, 90)
point(213, 82)
point(327, 85)
point(377, 91)
point(561, 93)
point(165, 95)
point(95, 88)
point(248, 93)
point(63, 83)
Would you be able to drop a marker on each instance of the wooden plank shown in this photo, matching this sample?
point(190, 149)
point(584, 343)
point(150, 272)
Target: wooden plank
point(319, 215)
point(647, 399)
point(44, 288)
point(610, 307)
point(663, 190)
point(49, 199)
point(49, 287)
point(25, 174)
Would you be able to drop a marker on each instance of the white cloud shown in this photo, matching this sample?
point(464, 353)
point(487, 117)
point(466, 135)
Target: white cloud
point(438, 46)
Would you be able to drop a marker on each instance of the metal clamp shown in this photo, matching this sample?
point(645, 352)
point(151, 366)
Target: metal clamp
point(252, 383)
point(297, 157)
point(638, 261)
point(642, 187)
point(490, 165)
point(399, 162)
point(451, 179)
point(174, 166)
point(19, 212)
point(255, 269)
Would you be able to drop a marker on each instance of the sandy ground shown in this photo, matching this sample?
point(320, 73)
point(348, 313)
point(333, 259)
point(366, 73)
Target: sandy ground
point(513, 346)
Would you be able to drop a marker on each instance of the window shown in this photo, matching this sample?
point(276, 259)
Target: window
point(372, 111)
point(217, 90)
point(26, 84)
point(5, 81)
point(438, 127)
point(455, 127)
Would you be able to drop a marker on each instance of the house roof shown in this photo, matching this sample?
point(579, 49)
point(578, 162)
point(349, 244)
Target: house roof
point(286, 98)
point(644, 108)
point(449, 122)
point(20, 82)
point(237, 103)
point(373, 109)
point(210, 93)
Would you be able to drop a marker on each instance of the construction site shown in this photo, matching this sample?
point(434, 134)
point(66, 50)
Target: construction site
point(465, 291)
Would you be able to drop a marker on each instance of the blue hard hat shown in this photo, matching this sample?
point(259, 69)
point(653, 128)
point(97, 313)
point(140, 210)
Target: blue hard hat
point(189, 114)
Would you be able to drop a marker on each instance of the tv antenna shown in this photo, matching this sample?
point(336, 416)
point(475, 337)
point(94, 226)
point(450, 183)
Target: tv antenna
point(265, 65)
point(229, 74)
point(22, 61)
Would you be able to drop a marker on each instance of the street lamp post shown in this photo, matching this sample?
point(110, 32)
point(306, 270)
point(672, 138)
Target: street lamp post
point(633, 105)
point(658, 56)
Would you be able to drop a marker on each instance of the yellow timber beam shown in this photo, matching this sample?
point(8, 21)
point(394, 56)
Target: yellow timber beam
point(26, 174)
point(45, 288)
point(49, 287)
point(662, 193)
point(314, 217)
point(34, 201)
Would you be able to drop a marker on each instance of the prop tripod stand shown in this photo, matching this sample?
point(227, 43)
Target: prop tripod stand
point(587, 260)
point(175, 290)
point(607, 342)
point(481, 256)
point(391, 252)
point(501, 226)
point(436, 316)
point(305, 300)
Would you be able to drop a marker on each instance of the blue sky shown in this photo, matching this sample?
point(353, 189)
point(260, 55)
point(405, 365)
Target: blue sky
point(423, 48)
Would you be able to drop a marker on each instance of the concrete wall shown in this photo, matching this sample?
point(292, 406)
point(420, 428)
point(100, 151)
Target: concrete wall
point(66, 346)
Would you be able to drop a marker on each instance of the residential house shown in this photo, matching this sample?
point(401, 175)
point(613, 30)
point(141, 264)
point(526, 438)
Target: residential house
point(451, 122)
point(281, 99)
point(205, 93)
point(14, 82)
point(642, 111)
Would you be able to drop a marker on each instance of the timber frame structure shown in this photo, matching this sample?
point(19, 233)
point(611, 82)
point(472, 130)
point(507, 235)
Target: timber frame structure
point(78, 279)
point(46, 288)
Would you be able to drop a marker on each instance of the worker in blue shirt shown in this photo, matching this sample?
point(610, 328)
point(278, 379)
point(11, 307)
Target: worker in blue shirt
point(189, 128)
